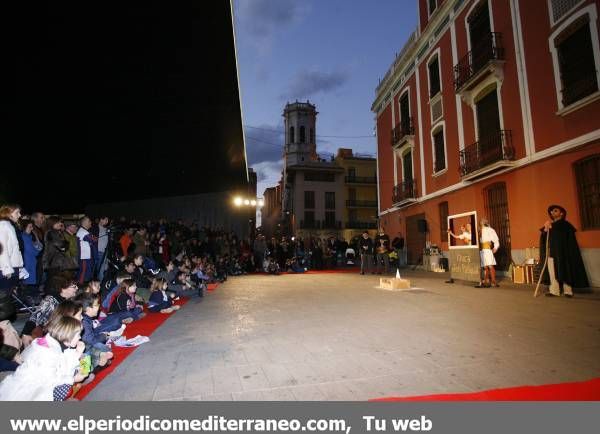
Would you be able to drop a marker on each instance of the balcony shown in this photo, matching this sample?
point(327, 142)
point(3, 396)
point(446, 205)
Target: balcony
point(487, 155)
point(361, 225)
point(402, 131)
point(361, 180)
point(404, 193)
point(352, 203)
point(487, 56)
point(310, 224)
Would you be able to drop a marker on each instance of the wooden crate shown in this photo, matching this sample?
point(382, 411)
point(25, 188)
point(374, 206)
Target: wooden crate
point(518, 274)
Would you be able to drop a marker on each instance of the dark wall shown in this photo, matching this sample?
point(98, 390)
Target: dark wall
point(118, 101)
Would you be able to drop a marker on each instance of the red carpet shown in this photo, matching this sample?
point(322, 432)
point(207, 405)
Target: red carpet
point(580, 391)
point(144, 327)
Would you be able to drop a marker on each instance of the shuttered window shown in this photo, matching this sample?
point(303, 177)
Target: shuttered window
point(587, 175)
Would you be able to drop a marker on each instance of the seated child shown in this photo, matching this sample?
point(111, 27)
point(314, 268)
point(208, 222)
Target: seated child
point(49, 365)
point(160, 301)
point(125, 302)
point(94, 337)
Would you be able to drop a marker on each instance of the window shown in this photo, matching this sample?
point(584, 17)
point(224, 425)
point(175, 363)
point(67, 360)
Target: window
point(439, 162)
point(309, 199)
point(587, 176)
point(330, 219)
point(302, 134)
point(319, 176)
point(434, 77)
point(352, 215)
point(432, 5)
point(443, 208)
point(576, 61)
point(560, 8)
point(292, 138)
point(312, 136)
point(330, 200)
point(351, 172)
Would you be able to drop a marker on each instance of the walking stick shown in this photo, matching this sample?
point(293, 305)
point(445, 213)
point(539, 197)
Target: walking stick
point(537, 288)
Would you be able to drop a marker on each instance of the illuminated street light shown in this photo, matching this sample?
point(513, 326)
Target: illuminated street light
point(237, 201)
point(253, 202)
point(261, 203)
point(246, 202)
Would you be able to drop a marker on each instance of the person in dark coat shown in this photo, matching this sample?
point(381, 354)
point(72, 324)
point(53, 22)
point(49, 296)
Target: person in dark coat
point(365, 247)
point(565, 269)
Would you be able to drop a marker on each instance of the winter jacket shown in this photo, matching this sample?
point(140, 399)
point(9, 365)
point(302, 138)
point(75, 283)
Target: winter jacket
point(11, 256)
point(45, 366)
point(56, 255)
point(90, 334)
point(31, 250)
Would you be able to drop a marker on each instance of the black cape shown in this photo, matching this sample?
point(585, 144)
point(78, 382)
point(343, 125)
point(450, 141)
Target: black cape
point(564, 249)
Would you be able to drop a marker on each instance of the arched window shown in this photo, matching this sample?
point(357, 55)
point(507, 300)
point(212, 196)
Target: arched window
point(292, 138)
point(312, 136)
point(302, 134)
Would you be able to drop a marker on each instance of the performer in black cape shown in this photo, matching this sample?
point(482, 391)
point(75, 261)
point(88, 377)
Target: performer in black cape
point(565, 269)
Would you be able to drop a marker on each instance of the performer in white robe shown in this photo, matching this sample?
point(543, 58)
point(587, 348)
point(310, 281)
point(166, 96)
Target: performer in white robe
point(489, 244)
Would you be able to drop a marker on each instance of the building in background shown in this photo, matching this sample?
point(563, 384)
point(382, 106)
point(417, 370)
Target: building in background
point(323, 197)
point(360, 192)
point(493, 106)
point(271, 212)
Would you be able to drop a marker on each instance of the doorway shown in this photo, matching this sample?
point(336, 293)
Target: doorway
point(496, 209)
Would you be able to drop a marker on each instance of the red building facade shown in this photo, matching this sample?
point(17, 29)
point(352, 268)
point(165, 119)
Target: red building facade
point(493, 106)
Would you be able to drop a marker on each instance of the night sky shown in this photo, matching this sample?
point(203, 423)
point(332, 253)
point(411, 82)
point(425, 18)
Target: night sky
point(118, 100)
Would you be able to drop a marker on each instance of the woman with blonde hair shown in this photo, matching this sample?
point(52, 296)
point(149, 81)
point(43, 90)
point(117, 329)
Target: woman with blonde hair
point(11, 257)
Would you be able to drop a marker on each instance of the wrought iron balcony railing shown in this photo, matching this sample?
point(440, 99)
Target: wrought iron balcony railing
point(403, 129)
point(405, 191)
point(361, 203)
point(488, 150)
point(486, 49)
point(361, 179)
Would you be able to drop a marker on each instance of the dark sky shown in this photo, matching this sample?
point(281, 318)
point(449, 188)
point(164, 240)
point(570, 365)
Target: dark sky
point(118, 100)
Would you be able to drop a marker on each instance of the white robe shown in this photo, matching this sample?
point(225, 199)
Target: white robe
point(487, 255)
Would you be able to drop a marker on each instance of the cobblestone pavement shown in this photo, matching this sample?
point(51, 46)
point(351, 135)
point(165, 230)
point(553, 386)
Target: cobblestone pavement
point(338, 337)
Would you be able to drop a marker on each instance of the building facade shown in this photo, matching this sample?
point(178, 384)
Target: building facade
point(494, 107)
point(360, 192)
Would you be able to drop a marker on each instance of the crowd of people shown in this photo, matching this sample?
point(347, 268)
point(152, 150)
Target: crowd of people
point(81, 282)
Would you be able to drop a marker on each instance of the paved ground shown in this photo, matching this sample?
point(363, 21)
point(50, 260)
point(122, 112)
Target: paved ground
point(337, 337)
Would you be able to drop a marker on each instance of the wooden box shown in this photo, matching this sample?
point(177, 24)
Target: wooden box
point(518, 274)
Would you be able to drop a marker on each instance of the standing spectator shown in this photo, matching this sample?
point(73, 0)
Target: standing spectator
point(31, 250)
point(70, 236)
point(398, 246)
point(56, 257)
point(87, 250)
point(382, 248)
point(489, 244)
point(39, 223)
point(125, 241)
point(365, 247)
point(11, 258)
point(141, 242)
point(102, 234)
point(565, 269)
